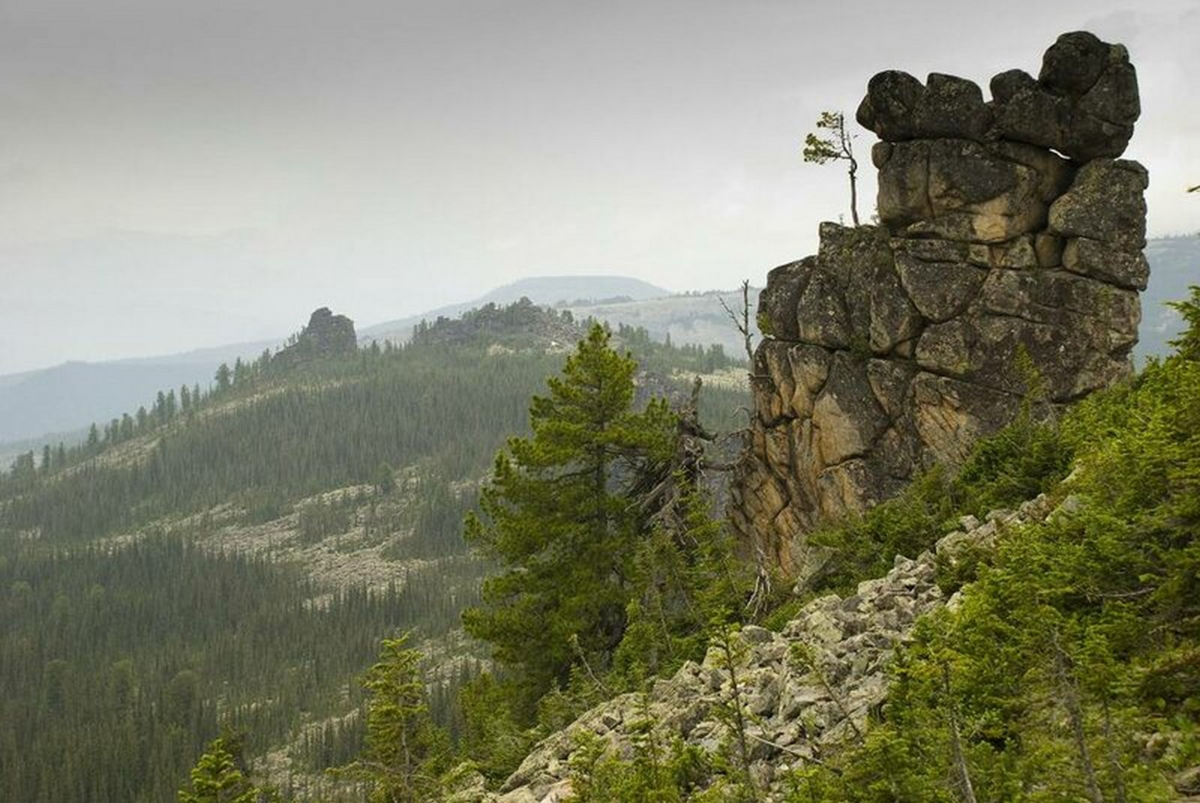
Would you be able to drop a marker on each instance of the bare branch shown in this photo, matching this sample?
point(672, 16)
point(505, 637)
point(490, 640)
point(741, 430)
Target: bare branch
point(741, 320)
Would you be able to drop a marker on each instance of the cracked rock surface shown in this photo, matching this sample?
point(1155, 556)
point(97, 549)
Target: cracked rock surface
point(1006, 226)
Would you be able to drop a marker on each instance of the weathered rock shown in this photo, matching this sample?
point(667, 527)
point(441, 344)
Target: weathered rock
point(1104, 203)
point(1083, 104)
point(326, 335)
point(1093, 258)
point(951, 107)
point(1073, 64)
point(890, 105)
point(939, 290)
point(897, 346)
point(965, 191)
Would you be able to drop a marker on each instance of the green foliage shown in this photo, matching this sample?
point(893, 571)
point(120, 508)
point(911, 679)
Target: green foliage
point(614, 570)
point(555, 519)
point(219, 778)
point(837, 146)
point(405, 753)
point(119, 664)
point(492, 738)
point(288, 440)
point(686, 579)
point(820, 149)
point(1069, 672)
point(1188, 344)
point(655, 773)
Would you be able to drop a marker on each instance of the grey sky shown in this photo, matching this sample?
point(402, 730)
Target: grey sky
point(177, 174)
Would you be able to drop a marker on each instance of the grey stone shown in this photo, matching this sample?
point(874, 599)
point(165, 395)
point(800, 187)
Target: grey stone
point(1105, 203)
point(1073, 64)
point(1093, 258)
point(897, 346)
point(939, 290)
point(890, 105)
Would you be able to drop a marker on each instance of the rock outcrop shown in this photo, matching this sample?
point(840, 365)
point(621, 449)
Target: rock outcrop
point(1006, 227)
point(806, 691)
point(326, 335)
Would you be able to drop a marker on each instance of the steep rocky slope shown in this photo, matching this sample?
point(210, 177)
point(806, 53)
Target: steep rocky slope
point(805, 692)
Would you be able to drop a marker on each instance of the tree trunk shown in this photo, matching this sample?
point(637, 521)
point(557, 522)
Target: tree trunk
point(958, 758)
point(1070, 700)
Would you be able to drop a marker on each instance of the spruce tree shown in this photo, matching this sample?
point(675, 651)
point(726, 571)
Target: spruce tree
point(556, 519)
point(405, 752)
point(217, 778)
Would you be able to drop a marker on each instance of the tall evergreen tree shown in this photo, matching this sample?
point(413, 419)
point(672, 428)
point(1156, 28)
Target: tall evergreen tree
point(405, 751)
point(555, 517)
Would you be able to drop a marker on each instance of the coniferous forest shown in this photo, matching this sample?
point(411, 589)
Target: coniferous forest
point(134, 634)
point(151, 654)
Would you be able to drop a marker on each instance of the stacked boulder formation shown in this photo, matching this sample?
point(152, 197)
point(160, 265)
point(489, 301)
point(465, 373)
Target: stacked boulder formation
point(1010, 237)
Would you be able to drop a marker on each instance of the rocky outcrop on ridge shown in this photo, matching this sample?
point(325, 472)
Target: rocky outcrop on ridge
point(1010, 238)
point(806, 692)
point(326, 335)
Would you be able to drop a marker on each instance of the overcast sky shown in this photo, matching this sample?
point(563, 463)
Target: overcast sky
point(179, 174)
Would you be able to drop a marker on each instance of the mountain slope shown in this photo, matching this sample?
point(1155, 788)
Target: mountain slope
point(234, 559)
point(66, 398)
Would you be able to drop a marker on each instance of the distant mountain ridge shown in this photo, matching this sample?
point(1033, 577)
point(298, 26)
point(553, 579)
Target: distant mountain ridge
point(558, 291)
point(70, 396)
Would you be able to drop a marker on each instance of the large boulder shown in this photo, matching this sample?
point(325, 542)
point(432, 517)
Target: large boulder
point(1083, 103)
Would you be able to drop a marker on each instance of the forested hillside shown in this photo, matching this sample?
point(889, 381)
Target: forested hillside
point(230, 556)
point(1024, 628)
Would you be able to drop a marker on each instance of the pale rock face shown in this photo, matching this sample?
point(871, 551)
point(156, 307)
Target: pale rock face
point(1006, 226)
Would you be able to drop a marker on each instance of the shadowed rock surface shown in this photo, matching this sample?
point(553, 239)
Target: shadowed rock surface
point(1006, 227)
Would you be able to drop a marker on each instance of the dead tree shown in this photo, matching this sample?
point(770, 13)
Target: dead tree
point(1069, 695)
point(761, 595)
point(741, 320)
point(958, 757)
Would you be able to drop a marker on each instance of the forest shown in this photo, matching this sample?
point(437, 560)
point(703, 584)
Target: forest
point(1065, 671)
point(133, 637)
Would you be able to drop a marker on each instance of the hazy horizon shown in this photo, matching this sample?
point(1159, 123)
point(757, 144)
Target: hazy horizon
point(179, 176)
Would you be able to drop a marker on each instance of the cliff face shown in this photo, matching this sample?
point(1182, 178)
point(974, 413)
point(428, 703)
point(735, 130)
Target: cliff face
point(1009, 237)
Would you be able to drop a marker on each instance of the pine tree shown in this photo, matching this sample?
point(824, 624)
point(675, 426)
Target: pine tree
point(217, 778)
point(405, 752)
point(555, 518)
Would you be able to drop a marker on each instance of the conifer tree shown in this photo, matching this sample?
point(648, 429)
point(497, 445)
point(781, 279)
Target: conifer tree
point(405, 751)
point(555, 518)
point(217, 778)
